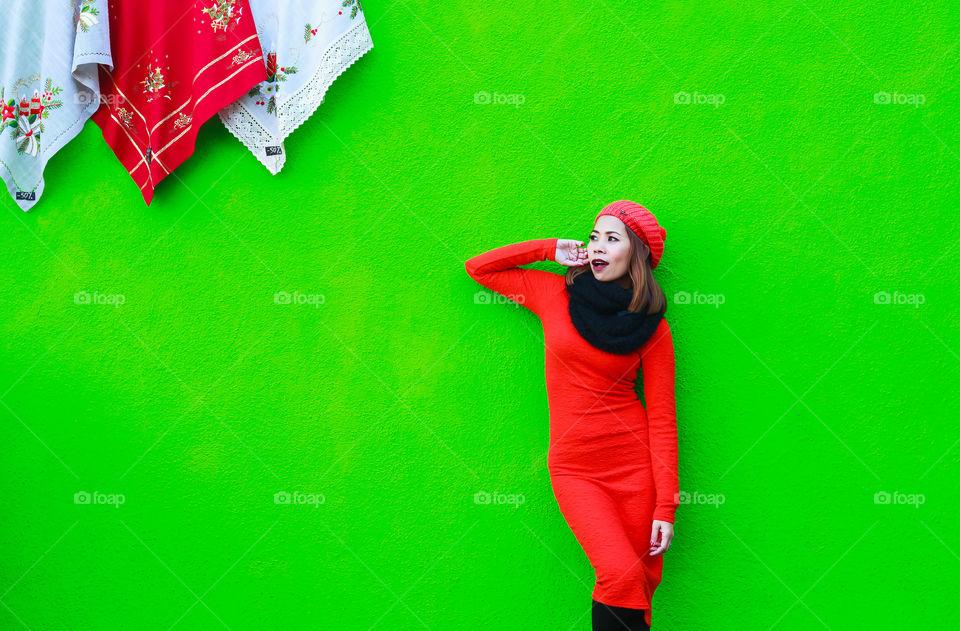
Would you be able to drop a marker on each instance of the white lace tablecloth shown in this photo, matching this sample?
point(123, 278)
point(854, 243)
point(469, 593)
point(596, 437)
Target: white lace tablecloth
point(306, 45)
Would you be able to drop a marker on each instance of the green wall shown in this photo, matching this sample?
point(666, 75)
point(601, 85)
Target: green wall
point(792, 202)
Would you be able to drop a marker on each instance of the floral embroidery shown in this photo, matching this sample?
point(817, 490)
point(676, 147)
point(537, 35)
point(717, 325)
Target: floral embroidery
point(154, 82)
point(221, 12)
point(356, 7)
point(182, 121)
point(9, 112)
point(26, 117)
point(267, 91)
point(241, 57)
point(88, 15)
point(125, 117)
point(308, 33)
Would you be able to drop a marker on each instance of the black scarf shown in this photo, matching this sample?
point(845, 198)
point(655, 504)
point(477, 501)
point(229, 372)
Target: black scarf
point(599, 312)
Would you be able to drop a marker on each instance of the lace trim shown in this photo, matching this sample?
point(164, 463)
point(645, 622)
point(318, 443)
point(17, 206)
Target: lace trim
point(299, 106)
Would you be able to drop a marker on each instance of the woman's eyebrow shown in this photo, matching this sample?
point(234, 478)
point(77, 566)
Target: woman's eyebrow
point(608, 232)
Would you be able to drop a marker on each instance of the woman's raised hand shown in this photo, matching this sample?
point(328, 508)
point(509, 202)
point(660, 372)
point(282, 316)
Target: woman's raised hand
point(569, 253)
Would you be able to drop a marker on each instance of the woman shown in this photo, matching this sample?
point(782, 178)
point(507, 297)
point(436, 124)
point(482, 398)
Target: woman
point(612, 461)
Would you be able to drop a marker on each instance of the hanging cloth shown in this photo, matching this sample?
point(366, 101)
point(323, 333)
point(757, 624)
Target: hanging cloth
point(49, 86)
point(177, 63)
point(306, 44)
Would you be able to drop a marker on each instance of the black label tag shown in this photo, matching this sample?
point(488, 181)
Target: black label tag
point(149, 154)
point(27, 196)
point(274, 150)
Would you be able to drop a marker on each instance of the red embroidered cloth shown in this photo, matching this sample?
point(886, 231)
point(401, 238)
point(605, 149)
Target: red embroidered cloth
point(176, 64)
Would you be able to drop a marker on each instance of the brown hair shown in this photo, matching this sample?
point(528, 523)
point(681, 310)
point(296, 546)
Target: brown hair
point(647, 293)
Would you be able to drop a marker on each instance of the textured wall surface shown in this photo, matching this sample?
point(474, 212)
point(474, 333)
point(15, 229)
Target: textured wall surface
point(791, 196)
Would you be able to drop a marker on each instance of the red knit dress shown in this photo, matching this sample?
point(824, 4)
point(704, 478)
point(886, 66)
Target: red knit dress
point(612, 463)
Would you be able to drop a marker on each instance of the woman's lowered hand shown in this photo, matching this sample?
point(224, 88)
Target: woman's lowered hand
point(665, 531)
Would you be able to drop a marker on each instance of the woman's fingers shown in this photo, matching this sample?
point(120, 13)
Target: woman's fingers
point(660, 549)
point(665, 537)
point(571, 252)
point(579, 254)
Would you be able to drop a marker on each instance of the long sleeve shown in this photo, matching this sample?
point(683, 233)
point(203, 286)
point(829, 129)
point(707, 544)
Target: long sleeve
point(657, 362)
point(498, 270)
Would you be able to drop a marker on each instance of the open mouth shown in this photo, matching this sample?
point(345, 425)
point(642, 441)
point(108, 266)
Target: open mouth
point(599, 264)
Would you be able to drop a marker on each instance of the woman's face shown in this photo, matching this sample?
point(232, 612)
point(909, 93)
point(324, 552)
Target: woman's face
point(609, 249)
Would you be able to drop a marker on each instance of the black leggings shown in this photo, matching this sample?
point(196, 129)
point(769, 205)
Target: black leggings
point(611, 618)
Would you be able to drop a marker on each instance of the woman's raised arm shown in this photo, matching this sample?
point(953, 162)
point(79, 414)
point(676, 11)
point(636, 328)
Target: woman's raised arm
point(499, 270)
